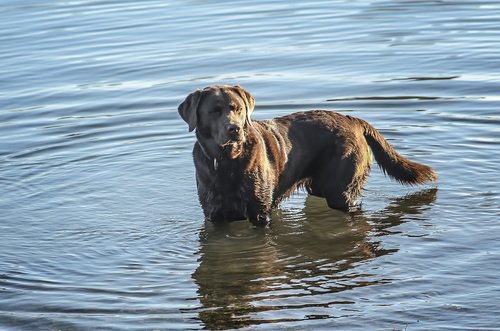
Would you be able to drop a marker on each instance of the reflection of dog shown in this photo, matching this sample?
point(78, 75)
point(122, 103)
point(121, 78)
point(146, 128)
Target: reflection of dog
point(244, 168)
point(244, 271)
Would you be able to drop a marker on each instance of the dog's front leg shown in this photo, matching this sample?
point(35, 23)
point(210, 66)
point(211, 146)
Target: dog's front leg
point(259, 219)
point(259, 210)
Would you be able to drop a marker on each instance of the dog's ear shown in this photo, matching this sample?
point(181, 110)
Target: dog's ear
point(247, 98)
point(188, 109)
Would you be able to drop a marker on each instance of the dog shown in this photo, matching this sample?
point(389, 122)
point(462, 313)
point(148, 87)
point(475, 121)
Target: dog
point(245, 167)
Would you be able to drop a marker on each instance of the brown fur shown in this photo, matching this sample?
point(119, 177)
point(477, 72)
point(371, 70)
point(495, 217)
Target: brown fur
point(244, 168)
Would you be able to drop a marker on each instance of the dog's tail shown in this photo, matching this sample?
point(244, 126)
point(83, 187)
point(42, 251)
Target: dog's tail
point(391, 162)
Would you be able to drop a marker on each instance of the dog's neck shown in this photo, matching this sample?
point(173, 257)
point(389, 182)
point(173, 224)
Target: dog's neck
point(206, 151)
point(214, 156)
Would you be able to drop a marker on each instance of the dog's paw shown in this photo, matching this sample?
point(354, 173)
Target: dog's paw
point(261, 220)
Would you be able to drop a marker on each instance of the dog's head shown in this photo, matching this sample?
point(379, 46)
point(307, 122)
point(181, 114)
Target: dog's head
point(220, 115)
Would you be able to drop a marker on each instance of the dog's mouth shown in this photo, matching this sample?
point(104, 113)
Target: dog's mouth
point(232, 148)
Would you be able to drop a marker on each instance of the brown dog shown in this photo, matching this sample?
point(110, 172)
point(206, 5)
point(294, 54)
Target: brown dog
point(244, 168)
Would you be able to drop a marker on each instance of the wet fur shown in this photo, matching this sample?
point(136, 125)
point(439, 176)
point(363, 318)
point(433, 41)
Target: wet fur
point(246, 175)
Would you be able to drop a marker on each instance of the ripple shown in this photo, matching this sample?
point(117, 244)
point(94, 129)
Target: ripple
point(375, 98)
point(16, 189)
point(438, 78)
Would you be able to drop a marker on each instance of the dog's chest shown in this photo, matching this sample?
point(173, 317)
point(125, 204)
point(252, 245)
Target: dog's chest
point(229, 194)
point(230, 184)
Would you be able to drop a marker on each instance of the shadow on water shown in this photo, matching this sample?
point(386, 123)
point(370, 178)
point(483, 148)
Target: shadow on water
point(301, 264)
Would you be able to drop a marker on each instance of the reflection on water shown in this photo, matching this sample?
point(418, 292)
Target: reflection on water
point(298, 265)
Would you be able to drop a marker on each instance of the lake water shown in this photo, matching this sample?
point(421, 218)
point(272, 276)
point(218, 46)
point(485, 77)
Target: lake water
point(100, 226)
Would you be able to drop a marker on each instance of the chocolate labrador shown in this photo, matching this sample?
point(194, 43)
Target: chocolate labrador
point(244, 168)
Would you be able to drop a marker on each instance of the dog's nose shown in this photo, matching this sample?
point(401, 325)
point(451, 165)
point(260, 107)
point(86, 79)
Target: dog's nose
point(233, 128)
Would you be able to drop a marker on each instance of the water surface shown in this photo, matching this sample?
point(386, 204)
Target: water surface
point(100, 226)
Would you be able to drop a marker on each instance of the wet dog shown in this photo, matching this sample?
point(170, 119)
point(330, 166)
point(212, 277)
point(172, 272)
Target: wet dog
point(244, 168)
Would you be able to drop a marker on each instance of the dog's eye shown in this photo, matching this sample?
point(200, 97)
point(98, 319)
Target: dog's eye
point(215, 110)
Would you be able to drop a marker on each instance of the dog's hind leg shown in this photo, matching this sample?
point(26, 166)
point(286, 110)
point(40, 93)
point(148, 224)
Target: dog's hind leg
point(343, 177)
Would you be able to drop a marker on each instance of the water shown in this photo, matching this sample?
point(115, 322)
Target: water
point(100, 227)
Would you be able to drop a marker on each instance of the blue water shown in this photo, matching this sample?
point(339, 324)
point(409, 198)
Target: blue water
point(100, 227)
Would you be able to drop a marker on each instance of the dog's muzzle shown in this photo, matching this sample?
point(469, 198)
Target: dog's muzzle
point(232, 149)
